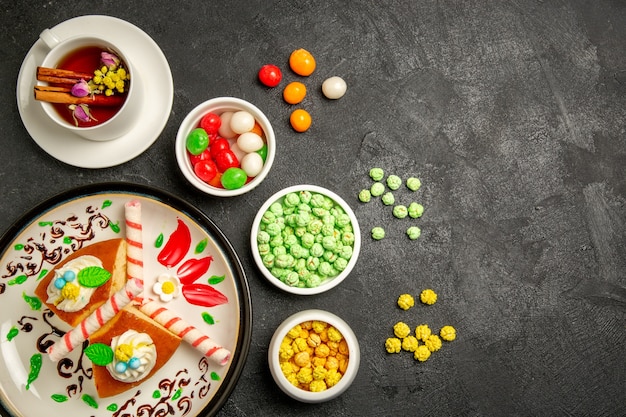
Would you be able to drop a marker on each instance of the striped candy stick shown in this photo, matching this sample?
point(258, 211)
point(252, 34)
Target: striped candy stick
point(134, 240)
point(95, 320)
point(119, 300)
point(184, 330)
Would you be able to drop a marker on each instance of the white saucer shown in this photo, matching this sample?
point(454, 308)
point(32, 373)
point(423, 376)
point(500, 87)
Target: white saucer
point(74, 150)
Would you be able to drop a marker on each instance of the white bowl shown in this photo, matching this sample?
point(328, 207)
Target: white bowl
point(354, 356)
point(326, 283)
point(220, 105)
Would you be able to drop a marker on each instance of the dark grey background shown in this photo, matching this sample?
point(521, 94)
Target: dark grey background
point(512, 114)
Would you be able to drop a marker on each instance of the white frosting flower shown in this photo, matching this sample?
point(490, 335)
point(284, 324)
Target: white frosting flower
point(167, 287)
point(135, 356)
point(79, 296)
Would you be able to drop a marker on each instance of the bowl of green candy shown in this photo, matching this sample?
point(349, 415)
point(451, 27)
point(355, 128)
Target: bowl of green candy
point(305, 239)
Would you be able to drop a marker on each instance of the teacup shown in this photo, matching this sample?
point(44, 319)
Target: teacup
point(124, 116)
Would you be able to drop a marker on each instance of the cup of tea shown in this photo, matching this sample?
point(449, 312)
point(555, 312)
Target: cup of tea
point(87, 85)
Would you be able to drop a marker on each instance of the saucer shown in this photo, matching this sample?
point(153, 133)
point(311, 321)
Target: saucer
point(74, 150)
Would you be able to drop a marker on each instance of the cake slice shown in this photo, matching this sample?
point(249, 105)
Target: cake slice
point(84, 280)
point(131, 336)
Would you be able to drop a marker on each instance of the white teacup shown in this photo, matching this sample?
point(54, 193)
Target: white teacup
point(126, 116)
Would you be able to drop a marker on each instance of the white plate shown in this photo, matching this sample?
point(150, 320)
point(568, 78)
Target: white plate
point(74, 150)
point(188, 384)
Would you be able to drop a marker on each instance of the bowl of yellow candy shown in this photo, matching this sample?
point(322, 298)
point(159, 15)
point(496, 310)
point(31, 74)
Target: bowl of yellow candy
point(305, 239)
point(314, 356)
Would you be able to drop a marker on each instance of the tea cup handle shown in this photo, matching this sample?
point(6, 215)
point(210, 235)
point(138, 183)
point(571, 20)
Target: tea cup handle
point(49, 38)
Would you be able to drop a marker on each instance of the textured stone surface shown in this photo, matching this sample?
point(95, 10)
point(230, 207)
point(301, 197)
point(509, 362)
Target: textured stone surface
point(512, 115)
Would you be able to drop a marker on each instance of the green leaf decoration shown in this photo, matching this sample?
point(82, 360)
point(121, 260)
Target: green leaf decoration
point(12, 333)
point(106, 203)
point(113, 407)
point(215, 376)
point(100, 354)
point(156, 394)
point(42, 274)
point(208, 319)
point(18, 280)
point(67, 240)
point(114, 226)
point(90, 401)
point(35, 368)
point(159, 241)
point(44, 223)
point(177, 394)
point(33, 302)
point(18, 246)
point(60, 398)
point(216, 279)
point(201, 245)
point(93, 276)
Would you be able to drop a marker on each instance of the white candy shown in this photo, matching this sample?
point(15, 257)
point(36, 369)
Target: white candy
point(225, 131)
point(252, 164)
point(249, 142)
point(236, 150)
point(242, 122)
point(334, 88)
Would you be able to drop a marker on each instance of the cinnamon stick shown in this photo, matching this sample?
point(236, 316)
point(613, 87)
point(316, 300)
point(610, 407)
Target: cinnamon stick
point(71, 77)
point(66, 98)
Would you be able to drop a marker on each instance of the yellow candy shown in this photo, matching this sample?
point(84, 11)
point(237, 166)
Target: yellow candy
point(406, 301)
point(401, 330)
point(433, 343)
point(448, 333)
point(428, 297)
point(393, 345)
point(422, 353)
point(422, 332)
point(410, 344)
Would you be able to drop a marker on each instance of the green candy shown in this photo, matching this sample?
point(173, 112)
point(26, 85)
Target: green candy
point(413, 232)
point(377, 189)
point(263, 152)
point(378, 233)
point(365, 196)
point(377, 174)
point(234, 178)
point(413, 184)
point(197, 141)
point(388, 199)
point(394, 182)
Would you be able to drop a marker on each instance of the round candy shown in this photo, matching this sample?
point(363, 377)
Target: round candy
point(197, 141)
point(134, 363)
point(334, 88)
point(252, 164)
point(263, 152)
point(121, 367)
point(300, 120)
point(205, 170)
point(69, 276)
point(241, 122)
point(234, 178)
point(225, 131)
point(249, 142)
point(294, 92)
point(218, 145)
point(211, 122)
point(59, 283)
point(226, 159)
point(270, 75)
point(302, 62)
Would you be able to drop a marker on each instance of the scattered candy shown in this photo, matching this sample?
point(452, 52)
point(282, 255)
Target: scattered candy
point(377, 174)
point(400, 211)
point(413, 183)
point(294, 92)
point(423, 342)
point(377, 189)
point(388, 199)
point(365, 196)
point(415, 210)
point(300, 120)
point(270, 75)
point(394, 182)
point(428, 297)
point(378, 233)
point(413, 232)
point(302, 62)
point(334, 88)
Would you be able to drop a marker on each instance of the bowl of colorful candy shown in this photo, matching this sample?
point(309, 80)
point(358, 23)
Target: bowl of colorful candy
point(225, 146)
point(314, 356)
point(305, 239)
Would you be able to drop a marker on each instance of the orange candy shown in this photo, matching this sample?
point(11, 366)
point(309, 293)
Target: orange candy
point(300, 120)
point(294, 92)
point(302, 62)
